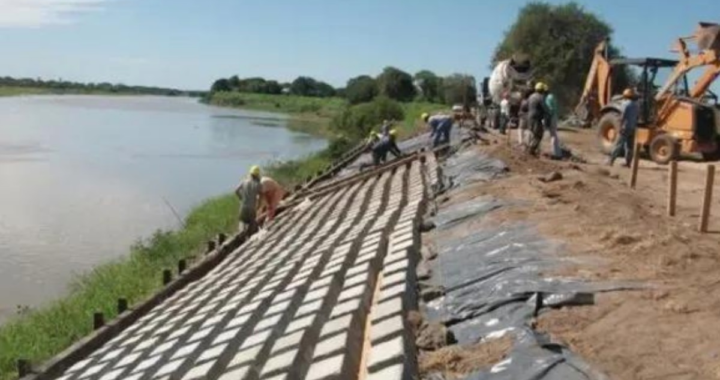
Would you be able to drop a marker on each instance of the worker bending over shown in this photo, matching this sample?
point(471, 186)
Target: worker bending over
point(271, 194)
point(552, 123)
point(626, 139)
point(384, 145)
point(440, 127)
point(537, 113)
point(249, 192)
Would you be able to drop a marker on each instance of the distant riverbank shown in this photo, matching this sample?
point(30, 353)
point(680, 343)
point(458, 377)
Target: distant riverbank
point(113, 90)
point(315, 115)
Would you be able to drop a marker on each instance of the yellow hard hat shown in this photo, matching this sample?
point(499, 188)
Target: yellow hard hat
point(539, 86)
point(255, 171)
point(425, 116)
point(629, 93)
point(546, 87)
point(393, 133)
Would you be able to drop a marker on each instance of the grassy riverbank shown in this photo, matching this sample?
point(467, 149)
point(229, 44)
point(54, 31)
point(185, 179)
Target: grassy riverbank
point(314, 115)
point(307, 114)
point(39, 334)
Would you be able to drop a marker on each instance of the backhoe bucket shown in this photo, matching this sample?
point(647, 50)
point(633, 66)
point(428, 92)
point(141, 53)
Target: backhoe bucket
point(707, 36)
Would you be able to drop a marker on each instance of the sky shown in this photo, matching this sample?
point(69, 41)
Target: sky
point(189, 43)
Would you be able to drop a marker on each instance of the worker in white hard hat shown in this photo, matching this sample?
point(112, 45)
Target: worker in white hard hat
point(248, 191)
point(440, 128)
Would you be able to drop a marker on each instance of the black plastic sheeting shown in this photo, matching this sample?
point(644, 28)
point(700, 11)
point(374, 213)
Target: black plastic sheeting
point(494, 285)
point(469, 166)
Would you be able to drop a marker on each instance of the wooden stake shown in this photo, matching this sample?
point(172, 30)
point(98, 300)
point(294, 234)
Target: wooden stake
point(23, 367)
point(707, 199)
point(635, 164)
point(672, 188)
point(98, 320)
point(167, 276)
point(122, 305)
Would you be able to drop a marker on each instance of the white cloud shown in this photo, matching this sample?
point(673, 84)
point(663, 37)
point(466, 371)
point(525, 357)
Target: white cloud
point(37, 13)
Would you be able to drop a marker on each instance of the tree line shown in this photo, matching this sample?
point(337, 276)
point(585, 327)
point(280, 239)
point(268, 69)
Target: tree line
point(104, 87)
point(392, 83)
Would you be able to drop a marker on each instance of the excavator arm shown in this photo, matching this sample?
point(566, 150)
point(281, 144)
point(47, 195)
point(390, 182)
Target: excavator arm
point(707, 38)
point(596, 93)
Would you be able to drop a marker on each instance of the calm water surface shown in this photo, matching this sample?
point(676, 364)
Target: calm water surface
point(83, 177)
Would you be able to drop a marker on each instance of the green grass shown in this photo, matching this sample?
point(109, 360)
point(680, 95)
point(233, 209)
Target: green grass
point(38, 335)
point(308, 114)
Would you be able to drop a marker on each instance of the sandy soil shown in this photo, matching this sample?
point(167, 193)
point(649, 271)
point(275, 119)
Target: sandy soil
point(454, 362)
point(669, 331)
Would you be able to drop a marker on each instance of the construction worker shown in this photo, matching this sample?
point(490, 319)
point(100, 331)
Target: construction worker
point(552, 123)
point(385, 128)
point(537, 113)
point(372, 139)
point(271, 194)
point(523, 119)
point(628, 122)
point(504, 113)
point(383, 146)
point(249, 192)
point(440, 126)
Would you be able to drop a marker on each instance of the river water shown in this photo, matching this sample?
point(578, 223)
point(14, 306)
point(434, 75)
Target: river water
point(83, 177)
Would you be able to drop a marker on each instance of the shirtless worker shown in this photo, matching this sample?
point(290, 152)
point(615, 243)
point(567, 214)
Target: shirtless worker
point(249, 192)
point(271, 194)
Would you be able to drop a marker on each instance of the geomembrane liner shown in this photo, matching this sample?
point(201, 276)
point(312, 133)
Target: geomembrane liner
point(493, 285)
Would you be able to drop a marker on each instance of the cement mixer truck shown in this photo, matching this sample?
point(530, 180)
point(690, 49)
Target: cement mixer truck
point(512, 77)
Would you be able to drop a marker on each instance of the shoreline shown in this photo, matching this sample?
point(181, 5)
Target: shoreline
point(38, 334)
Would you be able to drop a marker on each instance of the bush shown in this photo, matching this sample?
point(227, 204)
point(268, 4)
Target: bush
point(337, 147)
point(355, 122)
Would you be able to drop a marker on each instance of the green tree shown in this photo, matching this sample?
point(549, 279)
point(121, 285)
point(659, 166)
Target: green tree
point(559, 40)
point(361, 89)
point(459, 89)
point(306, 86)
point(355, 122)
point(430, 85)
point(396, 84)
point(234, 82)
point(220, 85)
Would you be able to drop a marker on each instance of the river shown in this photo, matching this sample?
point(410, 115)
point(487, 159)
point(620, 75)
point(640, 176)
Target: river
point(83, 177)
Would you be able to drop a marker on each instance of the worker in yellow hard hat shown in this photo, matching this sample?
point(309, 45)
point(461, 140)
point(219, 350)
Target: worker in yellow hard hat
point(628, 123)
point(386, 144)
point(538, 112)
point(249, 191)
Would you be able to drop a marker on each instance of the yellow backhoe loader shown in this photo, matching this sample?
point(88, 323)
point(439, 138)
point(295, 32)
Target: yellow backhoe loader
point(675, 117)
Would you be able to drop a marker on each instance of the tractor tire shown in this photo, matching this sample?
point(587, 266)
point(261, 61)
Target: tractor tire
point(663, 149)
point(608, 131)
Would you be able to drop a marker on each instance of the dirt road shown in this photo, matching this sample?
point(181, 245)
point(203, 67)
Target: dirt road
point(613, 232)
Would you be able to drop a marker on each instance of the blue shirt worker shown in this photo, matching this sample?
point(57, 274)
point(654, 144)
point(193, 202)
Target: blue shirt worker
point(629, 118)
point(383, 146)
point(440, 127)
point(552, 122)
